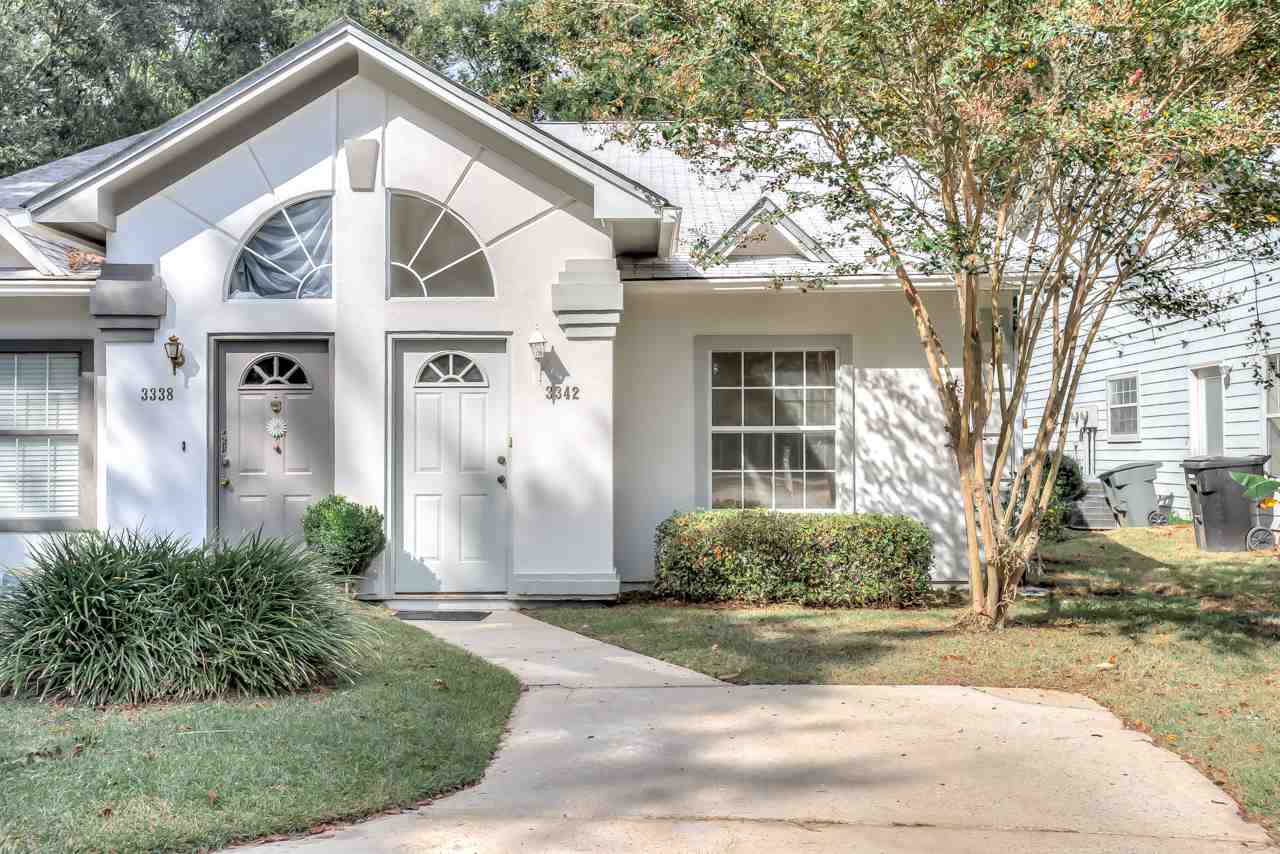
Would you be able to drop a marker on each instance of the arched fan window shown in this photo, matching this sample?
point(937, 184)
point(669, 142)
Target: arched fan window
point(274, 369)
point(289, 256)
point(451, 369)
point(433, 252)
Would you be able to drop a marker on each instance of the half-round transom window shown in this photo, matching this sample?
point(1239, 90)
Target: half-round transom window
point(451, 369)
point(289, 256)
point(433, 252)
point(274, 369)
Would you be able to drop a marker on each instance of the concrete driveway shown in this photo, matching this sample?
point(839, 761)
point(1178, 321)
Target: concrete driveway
point(611, 751)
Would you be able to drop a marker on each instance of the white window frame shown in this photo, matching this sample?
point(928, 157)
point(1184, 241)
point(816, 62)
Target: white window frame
point(1270, 367)
point(1196, 438)
point(86, 433)
point(774, 429)
point(1112, 434)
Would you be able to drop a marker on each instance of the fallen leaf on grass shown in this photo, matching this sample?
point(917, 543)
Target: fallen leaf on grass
point(440, 684)
point(212, 796)
point(106, 812)
point(1257, 748)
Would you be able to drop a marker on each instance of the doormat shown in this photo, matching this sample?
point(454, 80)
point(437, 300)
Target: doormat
point(446, 616)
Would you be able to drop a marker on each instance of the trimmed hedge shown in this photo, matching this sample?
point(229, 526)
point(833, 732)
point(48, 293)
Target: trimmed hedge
point(343, 535)
point(819, 559)
point(127, 617)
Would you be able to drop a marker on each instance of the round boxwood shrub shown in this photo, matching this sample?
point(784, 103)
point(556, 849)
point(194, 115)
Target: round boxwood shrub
point(127, 617)
point(345, 536)
point(819, 559)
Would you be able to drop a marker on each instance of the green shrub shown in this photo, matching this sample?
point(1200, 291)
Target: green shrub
point(127, 617)
point(820, 559)
point(1068, 488)
point(345, 536)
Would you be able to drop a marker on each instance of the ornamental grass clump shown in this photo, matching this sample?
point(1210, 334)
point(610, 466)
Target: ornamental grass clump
point(128, 617)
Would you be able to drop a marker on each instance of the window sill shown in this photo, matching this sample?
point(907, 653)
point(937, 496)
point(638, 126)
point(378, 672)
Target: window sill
point(1124, 440)
point(37, 525)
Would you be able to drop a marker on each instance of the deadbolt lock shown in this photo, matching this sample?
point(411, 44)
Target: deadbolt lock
point(502, 461)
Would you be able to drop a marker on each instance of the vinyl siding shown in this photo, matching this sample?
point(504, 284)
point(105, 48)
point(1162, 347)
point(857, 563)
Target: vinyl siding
point(1163, 355)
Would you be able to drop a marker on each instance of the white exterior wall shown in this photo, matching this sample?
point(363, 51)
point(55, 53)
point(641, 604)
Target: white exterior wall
point(899, 459)
point(561, 461)
point(1163, 359)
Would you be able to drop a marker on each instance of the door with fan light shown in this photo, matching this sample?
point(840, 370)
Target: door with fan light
point(275, 435)
point(450, 528)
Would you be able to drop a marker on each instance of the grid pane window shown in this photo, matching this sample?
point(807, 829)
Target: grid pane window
point(39, 441)
point(773, 438)
point(1123, 407)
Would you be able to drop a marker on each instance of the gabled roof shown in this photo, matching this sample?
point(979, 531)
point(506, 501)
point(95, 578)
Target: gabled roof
point(16, 189)
point(338, 50)
point(763, 222)
point(711, 208)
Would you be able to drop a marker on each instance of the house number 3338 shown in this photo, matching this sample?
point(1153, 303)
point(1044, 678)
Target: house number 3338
point(150, 393)
point(562, 392)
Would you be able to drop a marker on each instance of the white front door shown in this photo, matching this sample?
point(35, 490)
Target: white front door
point(451, 535)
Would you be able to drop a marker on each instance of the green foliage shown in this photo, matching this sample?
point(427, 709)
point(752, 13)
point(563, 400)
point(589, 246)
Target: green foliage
point(1067, 489)
point(1256, 487)
point(127, 617)
point(79, 73)
point(343, 535)
point(817, 559)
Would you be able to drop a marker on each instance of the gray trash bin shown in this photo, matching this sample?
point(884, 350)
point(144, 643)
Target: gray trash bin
point(1131, 492)
point(1222, 516)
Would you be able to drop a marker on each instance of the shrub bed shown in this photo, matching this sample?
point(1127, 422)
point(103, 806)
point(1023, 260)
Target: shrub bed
point(828, 560)
point(127, 617)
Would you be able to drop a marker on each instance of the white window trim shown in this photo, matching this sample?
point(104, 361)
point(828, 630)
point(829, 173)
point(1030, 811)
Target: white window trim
point(774, 429)
point(86, 432)
point(1195, 436)
point(1112, 435)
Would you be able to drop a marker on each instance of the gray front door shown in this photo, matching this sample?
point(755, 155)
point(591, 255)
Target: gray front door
point(276, 435)
point(450, 528)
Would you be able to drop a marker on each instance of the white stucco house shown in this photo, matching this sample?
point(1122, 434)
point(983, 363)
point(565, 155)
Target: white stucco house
point(359, 261)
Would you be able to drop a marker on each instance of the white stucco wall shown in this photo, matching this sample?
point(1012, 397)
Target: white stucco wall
point(900, 462)
point(560, 470)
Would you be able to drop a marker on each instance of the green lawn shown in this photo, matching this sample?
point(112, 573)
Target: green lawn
point(1191, 643)
point(424, 719)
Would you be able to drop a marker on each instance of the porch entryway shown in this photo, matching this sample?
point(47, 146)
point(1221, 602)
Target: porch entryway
point(450, 531)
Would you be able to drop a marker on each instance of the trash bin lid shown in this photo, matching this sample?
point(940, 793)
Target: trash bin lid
point(1127, 467)
point(1206, 463)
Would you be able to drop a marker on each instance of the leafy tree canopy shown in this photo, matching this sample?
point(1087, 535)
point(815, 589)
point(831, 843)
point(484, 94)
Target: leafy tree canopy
point(78, 73)
point(1049, 158)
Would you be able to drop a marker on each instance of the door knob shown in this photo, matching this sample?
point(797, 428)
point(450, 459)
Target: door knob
point(502, 461)
point(502, 478)
point(224, 483)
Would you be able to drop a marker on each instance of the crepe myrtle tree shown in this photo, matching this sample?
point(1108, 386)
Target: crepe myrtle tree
point(1051, 159)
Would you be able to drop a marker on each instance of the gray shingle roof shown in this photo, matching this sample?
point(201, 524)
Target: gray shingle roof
point(708, 206)
point(17, 188)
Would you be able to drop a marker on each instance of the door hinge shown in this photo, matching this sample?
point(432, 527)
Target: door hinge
point(509, 440)
point(222, 442)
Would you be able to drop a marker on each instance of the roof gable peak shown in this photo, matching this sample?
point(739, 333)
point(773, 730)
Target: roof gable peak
point(766, 230)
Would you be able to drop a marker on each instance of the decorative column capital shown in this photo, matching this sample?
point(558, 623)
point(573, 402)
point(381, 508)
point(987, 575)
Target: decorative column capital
point(587, 298)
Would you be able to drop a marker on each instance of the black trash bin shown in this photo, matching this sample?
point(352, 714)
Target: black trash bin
point(1131, 492)
point(1222, 516)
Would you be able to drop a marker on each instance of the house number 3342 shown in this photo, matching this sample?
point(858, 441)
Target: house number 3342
point(156, 393)
point(562, 392)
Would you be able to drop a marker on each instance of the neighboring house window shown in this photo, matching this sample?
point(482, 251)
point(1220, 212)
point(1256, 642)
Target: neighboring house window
point(773, 437)
point(1272, 415)
point(45, 437)
point(1122, 417)
point(433, 253)
point(290, 256)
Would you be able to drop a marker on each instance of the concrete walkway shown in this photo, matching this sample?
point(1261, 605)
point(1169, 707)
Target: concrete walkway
point(612, 751)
